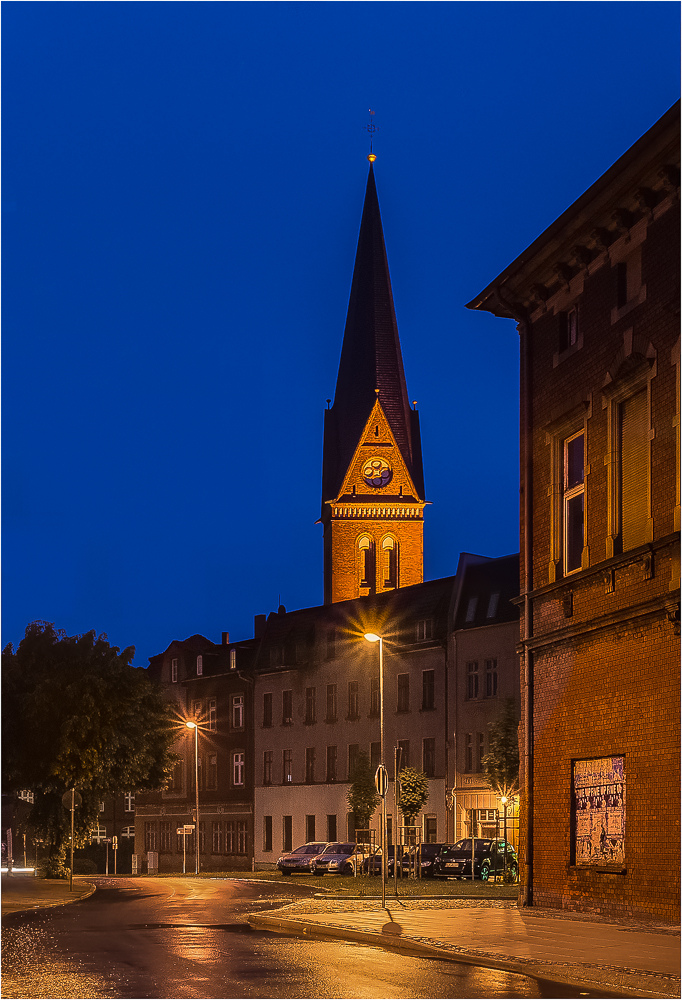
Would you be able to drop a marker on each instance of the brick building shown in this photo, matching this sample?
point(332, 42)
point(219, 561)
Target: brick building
point(596, 299)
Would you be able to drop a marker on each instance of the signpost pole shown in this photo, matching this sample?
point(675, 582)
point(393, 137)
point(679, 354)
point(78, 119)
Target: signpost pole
point(106, 865)
point(73, 805)
point(115, 847)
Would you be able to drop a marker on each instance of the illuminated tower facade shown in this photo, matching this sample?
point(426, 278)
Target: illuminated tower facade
point(372, 478)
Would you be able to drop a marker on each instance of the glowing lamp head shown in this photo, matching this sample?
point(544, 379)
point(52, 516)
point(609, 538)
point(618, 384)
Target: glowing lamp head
point(191, 725)
point(372, 157)
point(371, 637)
point(503, 800)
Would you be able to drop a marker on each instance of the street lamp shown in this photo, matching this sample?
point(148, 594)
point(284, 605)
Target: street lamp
point(193, 725)
point(372, 637)
point(504, 803)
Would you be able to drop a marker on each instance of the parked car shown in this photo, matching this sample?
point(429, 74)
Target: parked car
point(300, 859)
point(372, 864)
point(428, 857)
point(341, 859)
point(489, 855)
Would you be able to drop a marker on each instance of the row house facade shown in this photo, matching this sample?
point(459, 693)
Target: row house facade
point(205, 686)
point(596, 300)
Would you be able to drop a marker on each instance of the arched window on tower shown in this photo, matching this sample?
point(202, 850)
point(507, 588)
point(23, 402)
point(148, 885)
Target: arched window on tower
point(365, 562)
point(389, 548)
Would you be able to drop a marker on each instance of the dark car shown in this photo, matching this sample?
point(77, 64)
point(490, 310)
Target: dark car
point(340, 859)
point(300, 859)
point(372, 865)
point(428, 857)
point(489, 859)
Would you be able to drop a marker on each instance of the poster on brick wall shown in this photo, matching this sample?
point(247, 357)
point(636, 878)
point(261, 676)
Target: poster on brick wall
point(599, 797)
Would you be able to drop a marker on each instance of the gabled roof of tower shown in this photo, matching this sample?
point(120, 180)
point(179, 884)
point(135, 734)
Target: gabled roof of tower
point(370, 359)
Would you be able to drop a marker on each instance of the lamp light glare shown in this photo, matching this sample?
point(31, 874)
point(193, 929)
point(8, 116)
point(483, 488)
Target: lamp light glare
point(191, 725)
point(371, 637)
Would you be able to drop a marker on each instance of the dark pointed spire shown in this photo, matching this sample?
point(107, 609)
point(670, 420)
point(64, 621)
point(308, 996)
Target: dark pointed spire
point(370, 360)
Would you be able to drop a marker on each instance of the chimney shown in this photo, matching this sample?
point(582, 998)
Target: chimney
point(281, 610)
point(259, 625)
point(226, 638)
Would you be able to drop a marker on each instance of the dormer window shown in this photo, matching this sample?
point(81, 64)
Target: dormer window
point(174, 671)
point(492, 605)
point(200, 666)
point(425, 630)
point(471, 609)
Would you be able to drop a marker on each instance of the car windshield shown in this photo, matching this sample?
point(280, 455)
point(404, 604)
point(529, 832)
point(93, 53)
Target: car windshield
point(309, 849)
point(339, 849)
point(429, 850)
point(464, 846)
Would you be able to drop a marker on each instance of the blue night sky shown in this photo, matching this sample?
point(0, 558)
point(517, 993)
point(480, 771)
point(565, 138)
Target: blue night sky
point(182, 192)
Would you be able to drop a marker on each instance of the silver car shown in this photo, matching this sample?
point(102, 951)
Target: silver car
point(300, 859)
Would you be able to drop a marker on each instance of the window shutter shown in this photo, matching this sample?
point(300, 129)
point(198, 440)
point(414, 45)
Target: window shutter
point(634, 466)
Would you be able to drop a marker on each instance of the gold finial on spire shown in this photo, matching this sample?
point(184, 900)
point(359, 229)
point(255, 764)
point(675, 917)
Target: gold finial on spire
point(371, 128)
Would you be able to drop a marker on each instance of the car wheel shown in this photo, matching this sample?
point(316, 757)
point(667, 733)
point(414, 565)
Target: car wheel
point(485, 873)
point(512, 874)
point(318, 871)
point(348, 870)
point(286, 872)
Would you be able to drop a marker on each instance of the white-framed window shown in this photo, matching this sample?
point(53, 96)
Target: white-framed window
point(174, 670)
point(233, 659)
point(101, 806)
point(574, 501)
point(26, 795)
point(197, 709)
point(567, 438)
point(129, 802)
point(238, 768)
point(237, 711)
point(212, 713)
point(200, 666)
point(128, 833)
point(98, 834)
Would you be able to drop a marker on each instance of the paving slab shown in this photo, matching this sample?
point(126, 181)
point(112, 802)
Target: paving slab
point(629, 959)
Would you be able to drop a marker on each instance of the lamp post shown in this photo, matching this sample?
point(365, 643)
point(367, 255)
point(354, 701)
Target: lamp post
point(504, 803)
point(372, 637)
point(193, 725)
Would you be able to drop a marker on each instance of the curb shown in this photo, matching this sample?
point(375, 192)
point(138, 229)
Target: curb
point(549, 973)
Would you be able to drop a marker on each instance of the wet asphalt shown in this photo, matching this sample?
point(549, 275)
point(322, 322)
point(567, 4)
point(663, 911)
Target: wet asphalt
point(186, 938)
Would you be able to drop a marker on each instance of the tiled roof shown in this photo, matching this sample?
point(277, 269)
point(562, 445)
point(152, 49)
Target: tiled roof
point(370, 359)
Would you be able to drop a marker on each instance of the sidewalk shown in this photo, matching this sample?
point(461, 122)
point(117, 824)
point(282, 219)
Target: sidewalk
point(625, 957)
point(26, 892)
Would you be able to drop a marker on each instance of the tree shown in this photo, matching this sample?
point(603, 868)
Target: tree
point(414, 793)
point(501, 763)
point(76, 713)
point(363, 797)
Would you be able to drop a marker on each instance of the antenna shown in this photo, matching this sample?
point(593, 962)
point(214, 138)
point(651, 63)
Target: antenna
point(371, 128)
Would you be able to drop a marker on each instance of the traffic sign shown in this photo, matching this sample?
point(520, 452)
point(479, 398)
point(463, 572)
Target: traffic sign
point(180, 830)
point(77, 800)
point(381, 780)
point(189, 827)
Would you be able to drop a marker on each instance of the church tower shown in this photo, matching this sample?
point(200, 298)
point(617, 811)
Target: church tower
point(372, 477)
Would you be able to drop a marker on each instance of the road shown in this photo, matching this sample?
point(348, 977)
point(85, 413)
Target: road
point(186, 938)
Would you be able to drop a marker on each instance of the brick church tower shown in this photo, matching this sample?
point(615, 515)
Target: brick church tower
point(372, 476)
